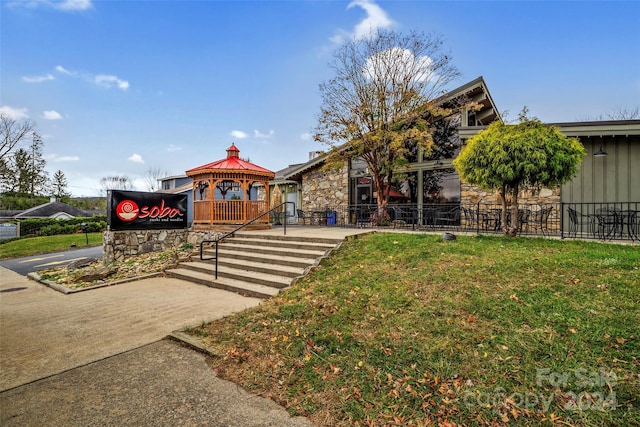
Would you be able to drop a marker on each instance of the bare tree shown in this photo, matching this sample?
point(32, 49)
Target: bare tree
point(152, 176)
point(622, 113)
point(618, 113)
point(12, 133)
point(382, 101)
point(116, 182)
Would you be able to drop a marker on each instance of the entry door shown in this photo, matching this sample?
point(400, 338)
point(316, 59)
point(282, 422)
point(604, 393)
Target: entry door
point(292, 214)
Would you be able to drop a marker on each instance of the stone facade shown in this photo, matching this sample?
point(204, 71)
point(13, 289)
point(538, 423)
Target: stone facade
point(120, 245)
point(325, 188)
point(470, 194)
point(535, 200)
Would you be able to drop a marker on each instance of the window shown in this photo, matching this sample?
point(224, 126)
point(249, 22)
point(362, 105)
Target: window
point(440, 186)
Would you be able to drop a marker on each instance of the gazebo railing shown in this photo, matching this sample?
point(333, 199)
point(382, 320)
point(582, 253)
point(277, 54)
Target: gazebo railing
point(217, 241)
point(228, 211)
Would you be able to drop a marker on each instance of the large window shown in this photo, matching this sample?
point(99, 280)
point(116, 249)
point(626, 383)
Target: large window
point(446, 142)
point(440, 186)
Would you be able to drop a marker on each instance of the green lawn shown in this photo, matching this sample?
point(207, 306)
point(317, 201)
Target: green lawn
point(44, 244)
point(408, 330)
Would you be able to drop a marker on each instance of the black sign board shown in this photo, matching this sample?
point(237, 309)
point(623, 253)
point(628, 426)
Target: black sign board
point(135, 210)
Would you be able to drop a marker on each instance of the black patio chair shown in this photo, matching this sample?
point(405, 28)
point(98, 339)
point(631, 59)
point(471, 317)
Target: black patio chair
point(577, 222)
point(537, 220)
point(449, 217)
point(302, 215)
point(608, 223)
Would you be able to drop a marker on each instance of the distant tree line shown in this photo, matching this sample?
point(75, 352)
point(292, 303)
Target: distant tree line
point(24, 182)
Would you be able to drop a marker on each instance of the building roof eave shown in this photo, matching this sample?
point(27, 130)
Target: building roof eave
point(576, 129)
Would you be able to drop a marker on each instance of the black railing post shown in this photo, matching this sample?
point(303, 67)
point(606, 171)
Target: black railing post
point(231, 233)
point(561, 220)
point(217, 241)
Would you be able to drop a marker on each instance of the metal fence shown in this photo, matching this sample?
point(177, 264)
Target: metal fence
point(601, 221)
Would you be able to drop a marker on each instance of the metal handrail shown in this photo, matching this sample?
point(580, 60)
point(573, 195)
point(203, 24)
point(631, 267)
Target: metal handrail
point(231, 233)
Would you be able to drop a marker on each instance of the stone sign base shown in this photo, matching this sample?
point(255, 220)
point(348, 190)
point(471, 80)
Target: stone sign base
point(120, 245)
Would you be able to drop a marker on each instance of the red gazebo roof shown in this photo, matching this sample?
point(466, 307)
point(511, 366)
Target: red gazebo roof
point(232, 162)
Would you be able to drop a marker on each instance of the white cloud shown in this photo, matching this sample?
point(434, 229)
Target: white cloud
point(104, 80)
point(259, 134)
point(66, 5)
point(305, 136)
point(139, 184)
point(38, 79)
point(73, 4)
point(136, 158)
point(52, 115)
point(376, 18)
point(171, 148)
point(238, 134)
point(56, 158)
point(14, 113)
point(419, 69)
point(109, 81)
point(61, 69)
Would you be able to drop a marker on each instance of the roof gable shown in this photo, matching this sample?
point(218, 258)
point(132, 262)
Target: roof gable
point(476, 90)
point(231, 162)
point(52, 209)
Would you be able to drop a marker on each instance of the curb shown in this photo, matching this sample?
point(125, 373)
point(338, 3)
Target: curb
point(191, 342)
point(63, 289)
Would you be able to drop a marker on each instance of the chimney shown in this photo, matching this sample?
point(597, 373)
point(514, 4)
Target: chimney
point(314, 154)
point(52, 199)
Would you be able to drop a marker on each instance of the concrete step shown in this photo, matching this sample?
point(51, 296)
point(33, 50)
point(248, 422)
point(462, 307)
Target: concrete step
point(227, 284)
point(278, 243)
point(330, 241)
point(256, 265)
point(260, 267)
point(273, 259)
point(256, 277)
point(268, 250)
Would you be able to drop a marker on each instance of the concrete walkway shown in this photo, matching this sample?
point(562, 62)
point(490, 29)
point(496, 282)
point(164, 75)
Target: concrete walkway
point(98, 357)
point(44, 332)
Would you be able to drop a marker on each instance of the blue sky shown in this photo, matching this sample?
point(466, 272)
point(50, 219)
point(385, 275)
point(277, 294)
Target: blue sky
point(119, 87)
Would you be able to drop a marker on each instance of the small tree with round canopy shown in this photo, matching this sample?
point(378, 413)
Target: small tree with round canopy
point(509, 158)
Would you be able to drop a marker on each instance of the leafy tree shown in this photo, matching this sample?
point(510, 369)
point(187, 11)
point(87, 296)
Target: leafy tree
point(59, 185)
point(381, 101)
point(23, 171)
point(12, 133)
point(38, 176)
point(510, 158)
point(89, 203)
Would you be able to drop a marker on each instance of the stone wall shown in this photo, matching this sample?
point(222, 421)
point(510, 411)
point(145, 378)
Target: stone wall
point(120, 245)
point(325, 188)
point(534, 199)
point(471, 194)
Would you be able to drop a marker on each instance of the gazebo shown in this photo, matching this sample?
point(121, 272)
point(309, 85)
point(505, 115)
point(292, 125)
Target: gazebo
point(223, 191)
